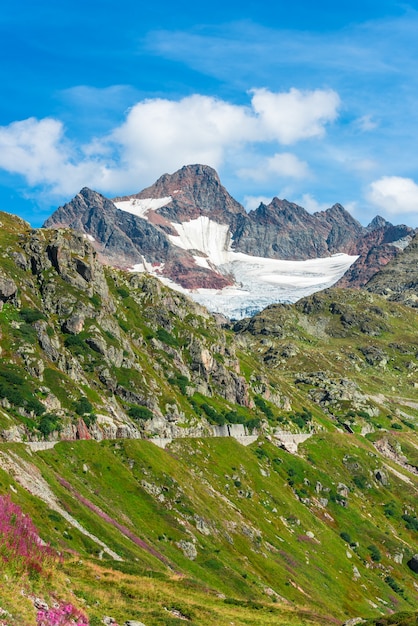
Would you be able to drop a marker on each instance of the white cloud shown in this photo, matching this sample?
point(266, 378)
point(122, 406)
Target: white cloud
point(295, 115)
point(284, 164)
point(38, 150)
point(161, 135)
point(287, 164)
point(394, 194)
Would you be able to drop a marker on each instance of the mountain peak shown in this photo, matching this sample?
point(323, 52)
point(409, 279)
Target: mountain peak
point(378, 222)
point(191, 191)
point(188, 229)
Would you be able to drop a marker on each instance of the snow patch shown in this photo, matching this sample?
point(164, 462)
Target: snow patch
point(141, 206)
point(203, 234)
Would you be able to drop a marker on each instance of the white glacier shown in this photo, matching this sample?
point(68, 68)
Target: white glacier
point(258, 281)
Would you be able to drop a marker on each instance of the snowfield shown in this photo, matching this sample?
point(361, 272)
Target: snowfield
point(258, 281)
point(141, 206)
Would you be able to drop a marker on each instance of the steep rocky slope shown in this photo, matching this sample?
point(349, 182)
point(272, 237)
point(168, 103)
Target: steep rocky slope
point(380, 244)
point(284, 230)
point(398, 280)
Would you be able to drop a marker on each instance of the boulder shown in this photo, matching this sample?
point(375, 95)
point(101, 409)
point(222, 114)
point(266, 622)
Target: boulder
point(413, 563)
point(8, 289)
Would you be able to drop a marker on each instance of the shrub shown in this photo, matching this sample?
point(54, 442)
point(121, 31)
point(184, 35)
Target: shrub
point(214, 416)
point(345, 537)
point(140, 413)
point(180, 381)
point(261, 453)
point(394, 585)
point(96, 301)
point(48, 423)
point(389, 509)
point(264, 407)
point(375, 554)
point(167, 338)
point(360, 481)
point(123, 292)
point(31, 315)
point(76, 343)
point(124, 325)
point(301, 418)
point(411, 522)
point(253, 423)
point(83, 406)
point(17, 390)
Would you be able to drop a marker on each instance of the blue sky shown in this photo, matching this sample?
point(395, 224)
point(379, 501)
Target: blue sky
point(313, 102)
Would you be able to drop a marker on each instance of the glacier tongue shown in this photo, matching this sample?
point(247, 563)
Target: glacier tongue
point(260, 282)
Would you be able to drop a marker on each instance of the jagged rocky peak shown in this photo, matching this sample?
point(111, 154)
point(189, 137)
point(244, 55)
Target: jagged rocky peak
point(378, 222)
point(279, 211)
point(192, 191)
point(337, 214)
point(81, 208)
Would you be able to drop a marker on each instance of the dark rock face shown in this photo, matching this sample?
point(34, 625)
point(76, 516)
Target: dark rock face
point(281, 230)
point(284, 230)
point(120, 237)
point(342, 229)
point(8, 289)
point(123, 240)
point(195, 190)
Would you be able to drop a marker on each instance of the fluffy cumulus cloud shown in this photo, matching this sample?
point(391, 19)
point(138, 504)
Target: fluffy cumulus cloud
point(167, 134)
point(161, 135)
point(394, 195)
point(38, 150)
point(295, 115)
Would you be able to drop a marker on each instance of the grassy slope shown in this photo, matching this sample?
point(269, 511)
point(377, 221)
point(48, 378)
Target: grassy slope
point(257, 516)
point(259, 531)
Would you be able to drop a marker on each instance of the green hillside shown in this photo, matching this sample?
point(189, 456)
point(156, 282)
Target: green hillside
point(95, 363)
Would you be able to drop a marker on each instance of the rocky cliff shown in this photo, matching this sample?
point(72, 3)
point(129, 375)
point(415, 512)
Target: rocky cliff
point(380, 243)
point(398, 279)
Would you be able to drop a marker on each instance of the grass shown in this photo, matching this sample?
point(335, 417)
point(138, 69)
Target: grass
point(232, 524)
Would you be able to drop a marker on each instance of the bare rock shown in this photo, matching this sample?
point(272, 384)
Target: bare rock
point(188, 548)
point(8, 289)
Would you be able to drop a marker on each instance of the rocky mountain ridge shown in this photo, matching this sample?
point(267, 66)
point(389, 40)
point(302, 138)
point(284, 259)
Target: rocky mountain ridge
point(188, 230)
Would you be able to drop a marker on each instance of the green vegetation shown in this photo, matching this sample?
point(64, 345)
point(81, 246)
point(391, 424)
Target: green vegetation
point(208, 530)
point(140, 413)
